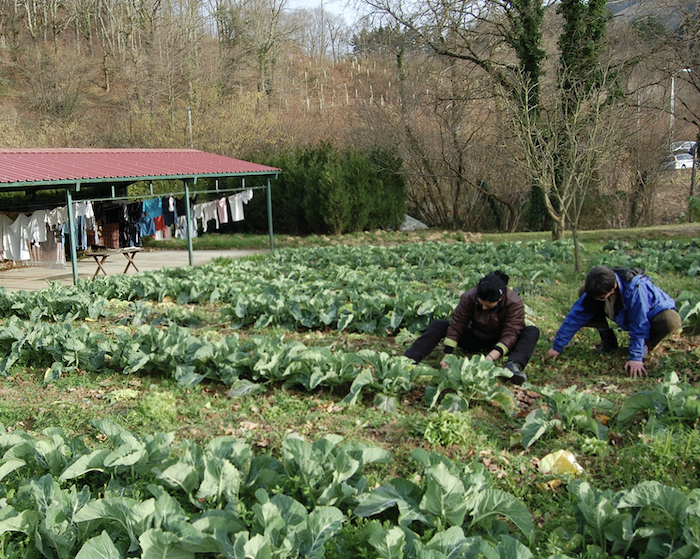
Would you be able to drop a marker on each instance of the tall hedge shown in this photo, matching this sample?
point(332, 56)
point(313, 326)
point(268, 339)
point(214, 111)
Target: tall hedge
point(324, 190)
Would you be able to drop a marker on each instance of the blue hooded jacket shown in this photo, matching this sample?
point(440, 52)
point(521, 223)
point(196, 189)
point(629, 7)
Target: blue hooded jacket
point(641, 301)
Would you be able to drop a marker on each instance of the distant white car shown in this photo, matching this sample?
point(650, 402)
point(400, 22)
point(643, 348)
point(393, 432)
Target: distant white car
point(677, 161)
point(686, 146)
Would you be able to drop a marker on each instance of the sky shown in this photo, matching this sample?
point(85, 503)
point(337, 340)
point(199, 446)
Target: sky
point(339, 7)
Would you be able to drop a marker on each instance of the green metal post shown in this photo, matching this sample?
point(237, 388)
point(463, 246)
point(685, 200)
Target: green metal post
point(269, 214)
point(188, 214)
point(71, 236)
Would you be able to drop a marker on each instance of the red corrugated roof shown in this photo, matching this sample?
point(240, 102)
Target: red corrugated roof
point(66, 164)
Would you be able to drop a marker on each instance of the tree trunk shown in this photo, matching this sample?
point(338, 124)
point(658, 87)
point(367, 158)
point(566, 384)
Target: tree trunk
point(577, 249)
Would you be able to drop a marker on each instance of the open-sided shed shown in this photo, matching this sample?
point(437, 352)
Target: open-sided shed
point(71, 169)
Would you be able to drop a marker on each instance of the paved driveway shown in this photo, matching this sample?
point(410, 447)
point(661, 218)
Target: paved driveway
point(34, 278)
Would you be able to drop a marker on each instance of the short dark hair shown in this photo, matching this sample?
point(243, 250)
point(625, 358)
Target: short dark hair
point(492, 286)
point(600, 281)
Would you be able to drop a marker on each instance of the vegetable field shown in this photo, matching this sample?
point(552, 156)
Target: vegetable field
point(262, 408)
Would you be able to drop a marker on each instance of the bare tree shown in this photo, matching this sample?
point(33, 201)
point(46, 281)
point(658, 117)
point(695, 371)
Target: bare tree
point(252, 32)
point(564, 149)
point(442, 115)
point(319, 33)
point(338, 36)
point(307, 32)
point(263, 36)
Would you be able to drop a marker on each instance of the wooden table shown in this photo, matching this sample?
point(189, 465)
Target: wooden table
point(101, 256)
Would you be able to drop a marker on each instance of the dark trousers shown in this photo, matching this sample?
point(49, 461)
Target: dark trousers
point(423, 346)
point(663, 324)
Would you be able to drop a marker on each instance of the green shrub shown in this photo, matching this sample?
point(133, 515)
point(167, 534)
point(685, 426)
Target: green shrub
point(323, 190)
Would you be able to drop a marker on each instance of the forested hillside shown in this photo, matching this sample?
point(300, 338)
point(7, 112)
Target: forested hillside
point(502, 116)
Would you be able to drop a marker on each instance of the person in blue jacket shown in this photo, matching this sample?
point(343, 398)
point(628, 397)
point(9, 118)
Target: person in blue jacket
point(633, 302)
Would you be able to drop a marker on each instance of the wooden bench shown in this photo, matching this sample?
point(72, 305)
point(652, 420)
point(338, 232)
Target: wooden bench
point(100, 256)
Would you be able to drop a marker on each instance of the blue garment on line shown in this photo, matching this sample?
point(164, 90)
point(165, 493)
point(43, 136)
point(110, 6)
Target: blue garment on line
point(153, 207)
point(148, 226)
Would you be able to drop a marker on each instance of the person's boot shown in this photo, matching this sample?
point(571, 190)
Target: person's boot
point(608, 341)
point(517, 369)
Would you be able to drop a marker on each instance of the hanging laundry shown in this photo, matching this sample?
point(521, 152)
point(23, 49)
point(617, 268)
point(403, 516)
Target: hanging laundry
point(180, 206)
point(206, 211)
point(169, 211)
point(57, 216)
point(134, 211)
point(84, 221)
point(45, 242)
point(236, 202)
point(222, 208)
point(153, 207)
point(211, 213)
point(36, 228)
point(53, 254)
point(198, 215)
point(148, 226)
point(85, 210)
point(181, 228)
point(15, 237)
point(125, 225)
point(36, 234)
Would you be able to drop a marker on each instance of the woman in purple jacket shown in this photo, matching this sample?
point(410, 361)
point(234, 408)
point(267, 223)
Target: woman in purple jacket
point(489, 318)
point(633, 302)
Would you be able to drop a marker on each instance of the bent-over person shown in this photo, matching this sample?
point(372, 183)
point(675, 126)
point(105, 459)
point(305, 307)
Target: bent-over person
point(490, 319)
point(631, 300)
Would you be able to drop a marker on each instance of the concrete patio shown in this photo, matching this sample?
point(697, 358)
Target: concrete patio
point(32, 278)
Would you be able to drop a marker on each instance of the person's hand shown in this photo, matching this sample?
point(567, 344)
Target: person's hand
point(492, 355)
point(552, 354)
point(443, 365)
point(636, 369)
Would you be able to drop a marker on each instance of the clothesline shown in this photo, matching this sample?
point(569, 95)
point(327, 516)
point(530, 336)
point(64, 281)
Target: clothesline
point(178, 193)
point(30, 208)
point(24, 239)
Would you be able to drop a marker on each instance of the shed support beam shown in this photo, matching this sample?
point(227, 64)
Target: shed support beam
point(188, 215)
point(71, 236)
point(269, 214)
